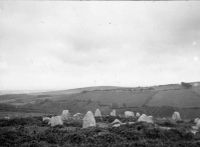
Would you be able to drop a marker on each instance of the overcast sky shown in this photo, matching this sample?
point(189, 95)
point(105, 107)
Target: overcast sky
point(61, 45)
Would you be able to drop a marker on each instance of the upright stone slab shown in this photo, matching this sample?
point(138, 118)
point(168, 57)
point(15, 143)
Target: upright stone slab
point(129, 114)
point(137, 114)
point(89, 120)
point(97, 113)
point(65, 115)
point(113, 112)
point(176, 116)
point(196, 120)
point(198, 123)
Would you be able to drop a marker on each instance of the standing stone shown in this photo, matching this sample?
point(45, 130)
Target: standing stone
point(65, 115)
point(197, 126)
point(97, 113)
point(198, 123)
point(176, 116)
point(129, 114)
point(55, 120)
point(89, 120)
point(137, 114)
point(113, 113)
point(196, 120)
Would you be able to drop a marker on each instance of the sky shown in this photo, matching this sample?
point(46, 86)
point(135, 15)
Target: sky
point(63, 45)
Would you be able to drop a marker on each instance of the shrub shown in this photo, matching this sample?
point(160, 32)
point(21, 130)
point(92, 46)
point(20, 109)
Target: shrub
point(21, 121)
point(73, 123)
point(74, 138)
point(186, 85)
point(166, 123)
point(35, 143)
point(27, 134)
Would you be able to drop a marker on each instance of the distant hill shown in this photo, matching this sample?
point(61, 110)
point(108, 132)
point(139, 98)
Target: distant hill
point(157, 100)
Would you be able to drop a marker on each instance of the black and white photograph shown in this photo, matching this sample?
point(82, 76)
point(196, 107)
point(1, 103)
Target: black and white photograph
point(99, 73)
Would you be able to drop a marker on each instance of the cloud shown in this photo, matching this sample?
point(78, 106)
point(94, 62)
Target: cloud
point(47, 45)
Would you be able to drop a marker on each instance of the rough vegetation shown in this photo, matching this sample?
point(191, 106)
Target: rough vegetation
point(32, 132)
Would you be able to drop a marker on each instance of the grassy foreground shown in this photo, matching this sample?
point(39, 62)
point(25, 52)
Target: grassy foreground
point(32, 132)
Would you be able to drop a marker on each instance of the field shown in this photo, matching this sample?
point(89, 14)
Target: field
point(159, 101)
point(32, 132)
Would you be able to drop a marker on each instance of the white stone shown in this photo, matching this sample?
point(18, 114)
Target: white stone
point(151, 117)
point(113, 112)
point(46, 119)
point(7, 117)
point(164, 128)
point(130, 123)
point(116, 121)
point(194, 127)
point(116, 125)
point(55, 120)
point(89, 120)
point(196, 120)
point(145, 118)
point(198, 124)
point(77, 114)
point(65, 115)
point(97, 113)
point(193, 131)
point(176, 116)
point(137, 114)
point(129, 114)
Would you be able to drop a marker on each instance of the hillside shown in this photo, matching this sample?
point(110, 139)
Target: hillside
point(156, 100)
